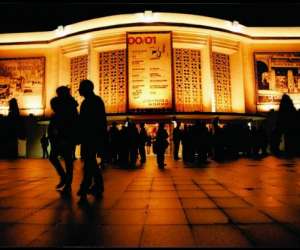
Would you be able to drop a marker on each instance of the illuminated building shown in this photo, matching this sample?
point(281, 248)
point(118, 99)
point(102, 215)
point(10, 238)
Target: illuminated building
point(210, 65)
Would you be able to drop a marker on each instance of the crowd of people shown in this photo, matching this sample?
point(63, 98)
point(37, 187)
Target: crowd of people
point(199, 141)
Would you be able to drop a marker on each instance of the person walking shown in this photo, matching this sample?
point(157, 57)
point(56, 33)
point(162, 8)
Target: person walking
point(62, 132)
point(177, 137)
point(45, 144)
point(93, 136)
point(143, 138)
point(161, 144)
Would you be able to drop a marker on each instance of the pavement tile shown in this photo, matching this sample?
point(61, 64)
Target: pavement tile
point(219, 193)
point(246, 215)
point(283, 214)
point(167, 236)
point(212, 187)
point(197, 203)
point(186, 187)
point(263, 201)
point(219, 236)
point(132, 203)
point(166, 217)
point(231, 202)
point(20, 235)
point(117, 236)
point(124, 217)
point(11, 215)
point(270, 235)
point(164, 203)
point(65, 236)
point(136, 194)
point(163, 194)
point(206, 216)
point(191, 194)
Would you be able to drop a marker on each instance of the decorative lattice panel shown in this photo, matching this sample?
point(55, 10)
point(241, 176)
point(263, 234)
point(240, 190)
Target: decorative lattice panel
point(112, 80)
point(79, 71)
point(221, 68)
point(187, 77)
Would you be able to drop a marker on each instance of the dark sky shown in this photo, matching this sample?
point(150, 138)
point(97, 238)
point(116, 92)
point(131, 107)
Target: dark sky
point(27, 16)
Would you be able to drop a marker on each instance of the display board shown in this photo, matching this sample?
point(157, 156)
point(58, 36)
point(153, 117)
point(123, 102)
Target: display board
point(277, 73)
point(23, 79)
point(149, 70)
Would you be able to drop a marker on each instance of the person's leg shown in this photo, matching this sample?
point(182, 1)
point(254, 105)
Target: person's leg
point(89, 157)
point(176, 149)
point(68, 157)
point(59, 169)
point(142, 153)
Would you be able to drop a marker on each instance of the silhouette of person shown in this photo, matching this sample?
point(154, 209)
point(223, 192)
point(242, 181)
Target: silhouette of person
point(62, 132)
point(161, 144)
point(93, 136)
point(177, 137)
point(132, 143)
point(286, 124)
point(15, 128)
point(123, 149)
point(45, 144)
point(143, 138)
point(114, 138)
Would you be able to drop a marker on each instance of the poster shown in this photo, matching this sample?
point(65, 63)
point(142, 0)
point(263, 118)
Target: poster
point(149, 70)
point(23, 79)
point(277, 73)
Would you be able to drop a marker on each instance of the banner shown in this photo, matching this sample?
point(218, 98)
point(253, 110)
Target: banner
point(277, 73)
point(23, 79)
point(149, 70)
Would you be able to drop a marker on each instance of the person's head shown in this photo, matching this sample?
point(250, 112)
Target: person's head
point(54, 103)
point(63, 91)
point(86, 88)
point(161, 125)
point(142, 124)
point(13, 106)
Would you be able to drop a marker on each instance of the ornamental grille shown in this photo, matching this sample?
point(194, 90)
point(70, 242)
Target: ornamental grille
point(79, 71)
point(112, 80)
point(187, 77)
point(221, 69)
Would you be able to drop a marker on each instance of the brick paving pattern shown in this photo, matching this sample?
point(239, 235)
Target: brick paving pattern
point(243, 203)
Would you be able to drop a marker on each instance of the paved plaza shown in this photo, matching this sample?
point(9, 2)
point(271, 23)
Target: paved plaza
point(244, 203)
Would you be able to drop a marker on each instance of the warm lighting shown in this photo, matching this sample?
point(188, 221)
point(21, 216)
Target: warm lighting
point(148, 16)
point(236, 27)
point(85, 37)
point(60, 31)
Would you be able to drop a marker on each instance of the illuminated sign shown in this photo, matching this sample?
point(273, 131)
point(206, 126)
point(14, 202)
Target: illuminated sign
point(277, 73)
point(23, 79)
point(149, 70)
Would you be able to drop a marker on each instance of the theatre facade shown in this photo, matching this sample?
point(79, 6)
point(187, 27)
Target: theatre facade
point(151, 65)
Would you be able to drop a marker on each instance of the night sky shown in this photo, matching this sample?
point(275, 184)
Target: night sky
point(28, 16)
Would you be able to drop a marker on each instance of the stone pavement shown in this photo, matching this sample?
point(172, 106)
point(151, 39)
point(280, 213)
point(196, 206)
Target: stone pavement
point(244, 203)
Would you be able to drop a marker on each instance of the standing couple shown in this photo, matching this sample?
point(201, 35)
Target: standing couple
point(88, 128)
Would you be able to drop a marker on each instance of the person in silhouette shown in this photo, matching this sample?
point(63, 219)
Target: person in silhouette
point(45, 144)
point(15, 128)
point(177, 137)
point(114, 138)
point(161, 144)
point(286, 124)
point(143, 138)
point(93, 136)
point(62, 132)
point(133, 144)
point(123, 149)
